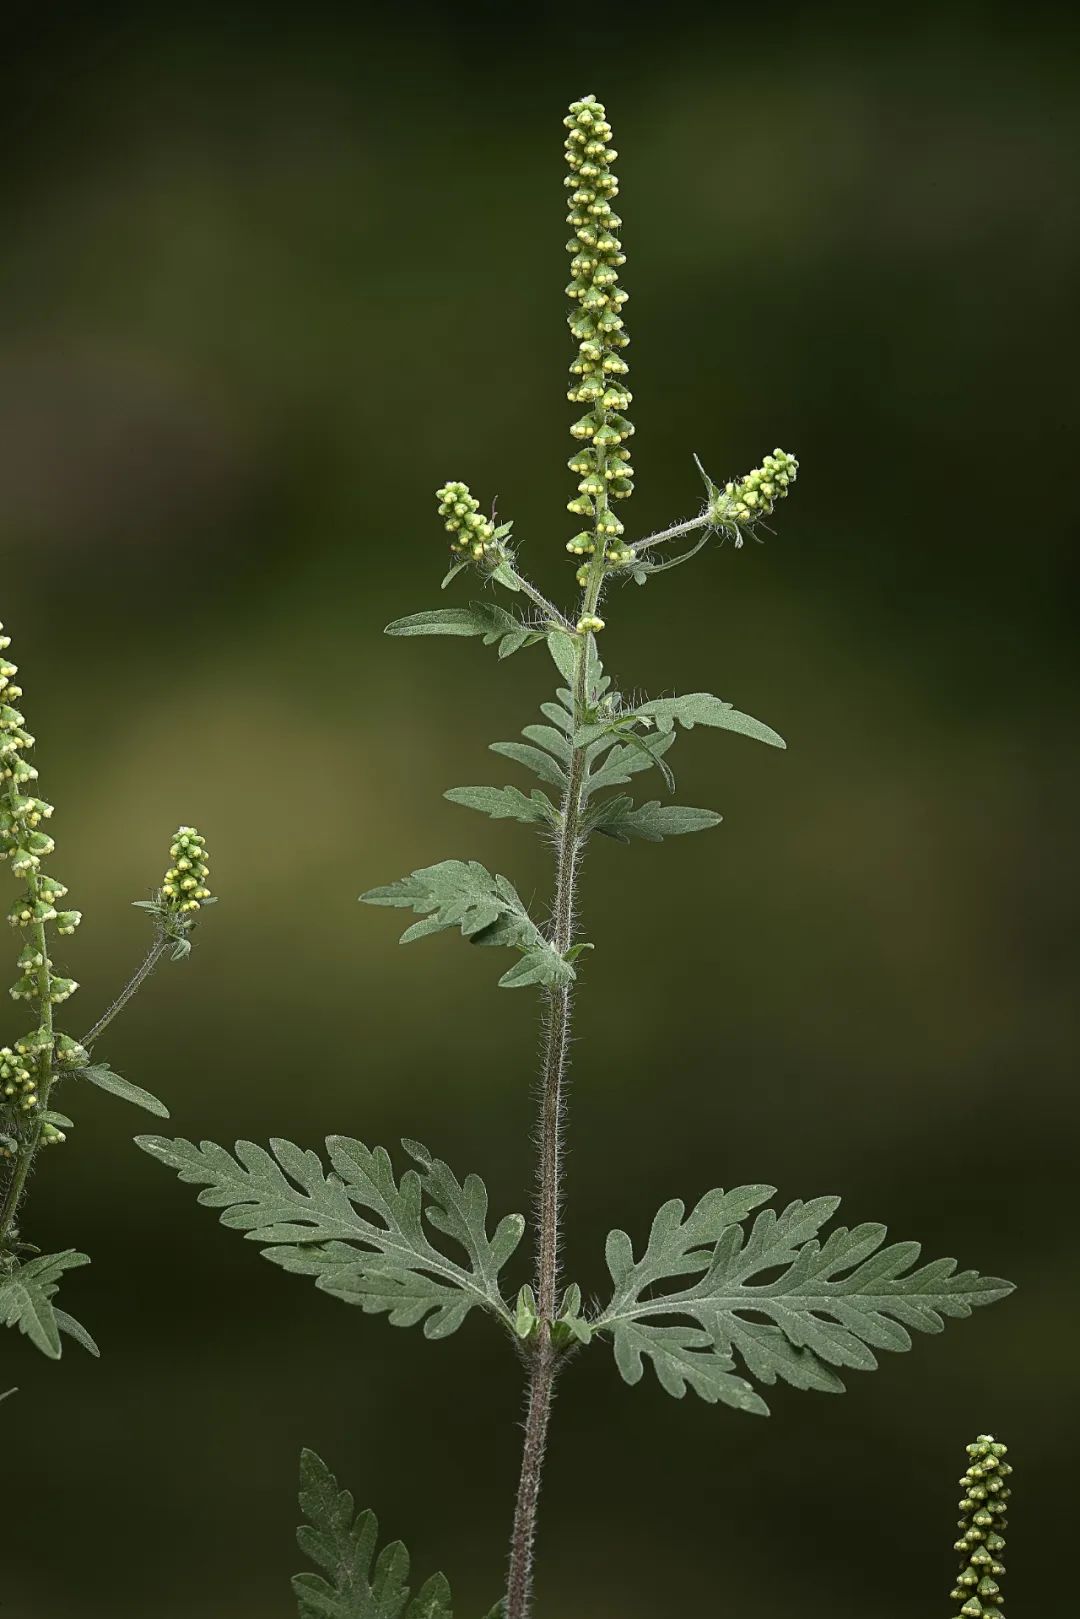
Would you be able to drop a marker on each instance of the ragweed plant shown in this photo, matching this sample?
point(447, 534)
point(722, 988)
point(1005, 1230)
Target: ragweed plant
point(723, 1299)
point(34, 1064)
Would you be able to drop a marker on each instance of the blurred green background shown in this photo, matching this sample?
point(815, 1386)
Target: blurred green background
point(272, 275)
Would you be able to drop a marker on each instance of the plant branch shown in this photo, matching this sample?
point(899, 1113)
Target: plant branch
point(538, 598)
point(135, 982)
point(672, 533)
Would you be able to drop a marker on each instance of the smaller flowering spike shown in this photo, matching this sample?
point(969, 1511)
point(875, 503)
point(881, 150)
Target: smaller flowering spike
point(184, 889)
point(469, 531)
point(589, 623)
point(745, 501)
point(983, 1508)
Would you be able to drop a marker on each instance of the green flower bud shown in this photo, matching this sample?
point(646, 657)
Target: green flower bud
point(469, 531)
point(184, 889)
point(983, 1506)
point(743, 503)
point(596, 256)
point(70, 1053)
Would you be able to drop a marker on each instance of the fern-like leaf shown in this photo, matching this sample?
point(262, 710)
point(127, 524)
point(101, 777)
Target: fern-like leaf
point(833, 1304)
point(26, 1302)
point(487, 909)
point(619, 818)
point(318, 1224)
point(354, 1583)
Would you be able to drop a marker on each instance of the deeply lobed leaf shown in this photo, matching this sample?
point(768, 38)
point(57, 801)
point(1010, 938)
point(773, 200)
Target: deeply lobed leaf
point(357, 1231)
point(26, 1302)
point(833, 1304)
point(487, 909)
point(354, 1583)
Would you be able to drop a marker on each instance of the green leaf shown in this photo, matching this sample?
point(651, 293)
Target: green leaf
point(507, 803)
point(75, 1329)
point(624, 759)
point(487, 909)
point(26, 1302)
point(343, 1547)
point(311, 1223)
point(485, 619)
point(571, 1322)
point(535, 759)
point(702, 708)
point(453, 572)
point(833, 1303)
point(101, 1075)
point(617, 818)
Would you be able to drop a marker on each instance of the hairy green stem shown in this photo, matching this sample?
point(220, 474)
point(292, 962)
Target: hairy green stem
point(672, 533)
point(548, 609)
point(134, 983)
point(543, 1354)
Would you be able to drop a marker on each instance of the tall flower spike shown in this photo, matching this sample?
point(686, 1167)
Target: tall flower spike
point(26, 1069)
point(981, 1543)
point(602, 463)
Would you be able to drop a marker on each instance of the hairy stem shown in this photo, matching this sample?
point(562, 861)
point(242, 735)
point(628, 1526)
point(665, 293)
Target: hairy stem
point(672, 533)
point(134, 983)
point(543, 1354)
point(548, 609)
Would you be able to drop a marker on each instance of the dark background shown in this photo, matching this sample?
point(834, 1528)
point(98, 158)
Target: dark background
point(269, 278)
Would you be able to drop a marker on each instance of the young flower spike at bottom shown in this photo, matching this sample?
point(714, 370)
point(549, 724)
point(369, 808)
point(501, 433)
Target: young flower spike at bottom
point(981, 1542)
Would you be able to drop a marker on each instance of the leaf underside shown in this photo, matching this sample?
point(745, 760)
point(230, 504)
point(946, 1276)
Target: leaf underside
point(354, 1583)
point(359, 1233)
point(26, 1302)
point(836, 1301)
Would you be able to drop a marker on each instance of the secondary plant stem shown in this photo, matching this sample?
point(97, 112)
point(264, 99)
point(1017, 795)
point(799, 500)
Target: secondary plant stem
point(672, 533)
point(134, 983)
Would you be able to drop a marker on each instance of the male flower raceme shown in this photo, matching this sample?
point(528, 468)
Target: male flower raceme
point(469, 532)
point(599, 370)
point(26, 1066)
point(740, 504)
point(983, 1508)
point(184, 889)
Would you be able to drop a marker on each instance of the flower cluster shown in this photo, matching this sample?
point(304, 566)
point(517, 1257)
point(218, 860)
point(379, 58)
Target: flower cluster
point(983, 1518)
point(184, 889)
point(744, 503)
point(25, 1068)
point(602, 463)
point(469, 531)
